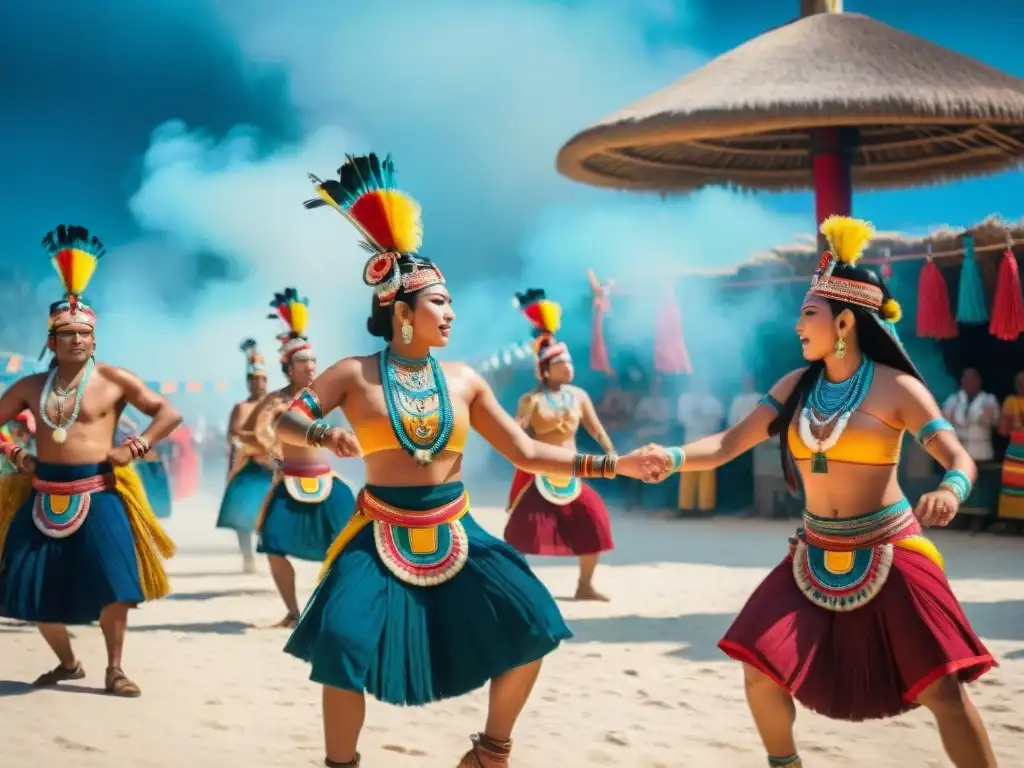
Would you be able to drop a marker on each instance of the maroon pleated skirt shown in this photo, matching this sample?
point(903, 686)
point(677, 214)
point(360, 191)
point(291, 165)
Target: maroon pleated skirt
point(868, 663)
point(538, 526)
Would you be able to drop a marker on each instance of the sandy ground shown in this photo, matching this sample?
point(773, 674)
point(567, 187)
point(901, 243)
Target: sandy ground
point(641, 685)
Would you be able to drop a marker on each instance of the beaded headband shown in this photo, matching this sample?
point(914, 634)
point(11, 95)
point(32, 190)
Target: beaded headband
point(389, 221)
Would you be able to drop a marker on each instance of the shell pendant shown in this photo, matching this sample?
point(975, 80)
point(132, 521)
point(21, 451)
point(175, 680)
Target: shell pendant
point(422, 457)
point(59, 435)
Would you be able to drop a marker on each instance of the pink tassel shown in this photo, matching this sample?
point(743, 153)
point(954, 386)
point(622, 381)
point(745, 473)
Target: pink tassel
point(670, 355)
point(1008, 308)
point(599, 360)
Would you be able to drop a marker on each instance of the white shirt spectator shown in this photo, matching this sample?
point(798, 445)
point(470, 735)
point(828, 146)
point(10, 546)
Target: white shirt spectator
point(973, 421)
point(743, 406)
point(700, 414)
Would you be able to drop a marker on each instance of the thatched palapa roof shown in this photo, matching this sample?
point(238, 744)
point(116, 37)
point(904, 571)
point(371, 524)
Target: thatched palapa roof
point(924, 113)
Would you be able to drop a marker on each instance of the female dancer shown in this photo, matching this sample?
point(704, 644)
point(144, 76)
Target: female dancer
point(858, 622)
point(249, 470)
point(557, 515)
point(417, 602)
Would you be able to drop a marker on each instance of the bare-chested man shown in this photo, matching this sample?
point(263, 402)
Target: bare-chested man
point(84, 545)
point(309, 503)
point(250, 467)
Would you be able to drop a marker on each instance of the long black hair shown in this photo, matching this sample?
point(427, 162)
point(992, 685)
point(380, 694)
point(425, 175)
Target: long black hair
point(379, 323)
point(873, 339)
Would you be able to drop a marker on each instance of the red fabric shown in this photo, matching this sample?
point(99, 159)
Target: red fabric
point(869, 663)
point(1008, 308)
point(185, 479)
point(670, 355)
point(934, 316)
point(599, 360)
point(538, 527)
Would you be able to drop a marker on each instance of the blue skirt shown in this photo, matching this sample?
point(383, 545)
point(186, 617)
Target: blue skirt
point(70, 580)
point(302, 530)
point(244, 496)
point(365, 630)
point(157, 484)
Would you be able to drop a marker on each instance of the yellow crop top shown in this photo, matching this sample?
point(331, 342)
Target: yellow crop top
point(376, 435)
point(866, 440)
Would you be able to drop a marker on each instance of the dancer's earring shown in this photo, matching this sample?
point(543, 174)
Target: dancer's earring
point(406, 332)
point(840, 348)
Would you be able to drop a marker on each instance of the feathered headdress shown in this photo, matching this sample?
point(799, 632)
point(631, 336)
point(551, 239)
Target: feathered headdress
point(545, 317)
point(253, 358)
point(74, 253)
point(294, 312)
point(389, 221)
point(847, 239)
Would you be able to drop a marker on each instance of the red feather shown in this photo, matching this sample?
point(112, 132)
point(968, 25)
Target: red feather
point(64, 261)
point(285, 313)
point(532, 313)
point(370, 212)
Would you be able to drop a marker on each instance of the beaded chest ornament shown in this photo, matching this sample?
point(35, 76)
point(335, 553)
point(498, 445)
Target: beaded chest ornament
point(418, 403)
point(832, 404)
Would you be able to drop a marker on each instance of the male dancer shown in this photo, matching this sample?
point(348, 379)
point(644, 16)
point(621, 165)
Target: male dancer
point(309, 504)
point(250, 472)
point(83, 544)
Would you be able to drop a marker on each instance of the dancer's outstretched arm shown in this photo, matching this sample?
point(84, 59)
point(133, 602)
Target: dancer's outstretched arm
point(499, 429)
point(715, 450)
point(303, 424)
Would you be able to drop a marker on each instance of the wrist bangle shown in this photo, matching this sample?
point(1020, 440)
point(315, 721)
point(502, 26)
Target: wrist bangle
point(958, 483)
point(678, 456)
point(316, 432)
point(138, 446)
point(587, 465)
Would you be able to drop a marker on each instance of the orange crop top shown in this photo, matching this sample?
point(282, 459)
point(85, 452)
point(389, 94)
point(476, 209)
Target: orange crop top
point(376, 435)
point(866, 440)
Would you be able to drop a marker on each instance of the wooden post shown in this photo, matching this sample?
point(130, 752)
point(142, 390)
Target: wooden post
point(811, 7)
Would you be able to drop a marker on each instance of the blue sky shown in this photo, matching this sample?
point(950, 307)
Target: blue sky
point(181, 130)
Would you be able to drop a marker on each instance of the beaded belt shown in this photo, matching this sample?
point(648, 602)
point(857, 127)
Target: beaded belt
point(60, 508)
point(308, 483)
point(305, 470)
point(383, 512)
point(845, 534)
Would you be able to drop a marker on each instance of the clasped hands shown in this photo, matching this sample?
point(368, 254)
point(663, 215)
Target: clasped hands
point(652, 463)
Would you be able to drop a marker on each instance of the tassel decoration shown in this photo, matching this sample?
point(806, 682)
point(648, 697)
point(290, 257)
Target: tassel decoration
point(670, 355)
point(1008, 308)
point(934, 315)
point(971, 308)
point(599, 359)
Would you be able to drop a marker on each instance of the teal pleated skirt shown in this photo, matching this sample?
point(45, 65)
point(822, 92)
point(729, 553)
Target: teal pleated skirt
point(244, 496)
point(303, 530)
point(157, 485)
point(365, 630)
point(70, 580)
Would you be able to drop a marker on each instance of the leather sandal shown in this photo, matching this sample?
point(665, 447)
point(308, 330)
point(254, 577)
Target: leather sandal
point(59, 674)
point(118, 684)
point(352, 764)
point(496, 752)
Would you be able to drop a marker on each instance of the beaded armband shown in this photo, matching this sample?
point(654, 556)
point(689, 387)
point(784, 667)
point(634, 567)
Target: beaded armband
point(678, 456)
point(316, 432)
point(956, 481)
point(588, 465)
point(137, 445)
point(931, 429)
point(772, 402)
point(308, 404)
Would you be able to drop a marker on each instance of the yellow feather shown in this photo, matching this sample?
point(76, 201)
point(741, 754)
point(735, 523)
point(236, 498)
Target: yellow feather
point(847, 237)
point(892, 311)
point(83, 267)
point(550, 315)
point(300, 317)
point(405, 220)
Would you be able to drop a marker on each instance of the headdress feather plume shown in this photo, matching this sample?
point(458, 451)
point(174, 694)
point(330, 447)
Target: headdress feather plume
point(74, 254)
point(543, 314)
point(847, 237)
point(388, 219)
point(294, 311)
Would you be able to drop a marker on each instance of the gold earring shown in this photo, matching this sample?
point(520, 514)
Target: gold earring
point(840, 348)
point(406, 332)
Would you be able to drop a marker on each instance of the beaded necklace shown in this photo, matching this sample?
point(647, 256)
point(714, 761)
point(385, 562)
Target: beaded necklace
point(830, 402)
point(418, 403)
point(563, 404)
point(60, 430)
